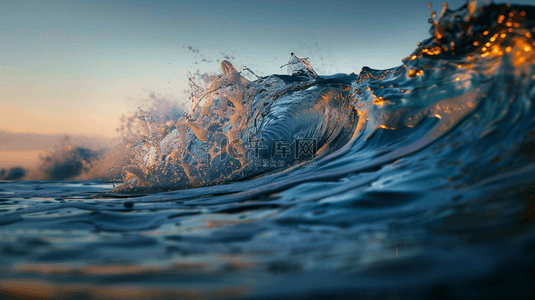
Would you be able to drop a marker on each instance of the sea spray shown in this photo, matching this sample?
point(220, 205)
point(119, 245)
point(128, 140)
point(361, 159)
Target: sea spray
point(246, 128)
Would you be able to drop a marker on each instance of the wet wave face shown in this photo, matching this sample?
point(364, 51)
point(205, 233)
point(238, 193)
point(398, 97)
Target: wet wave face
point(416, 180)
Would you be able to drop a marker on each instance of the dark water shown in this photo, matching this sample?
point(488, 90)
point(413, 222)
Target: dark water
point(420, 185)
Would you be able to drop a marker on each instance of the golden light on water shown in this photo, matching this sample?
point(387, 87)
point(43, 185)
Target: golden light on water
point(496, 50)
point(379, 101)
point(432, 50)
point(523, 51)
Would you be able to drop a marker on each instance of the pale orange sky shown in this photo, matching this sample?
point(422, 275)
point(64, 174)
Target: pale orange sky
point(17, 118)
point(24, 149)
point(56, 105)
point(31, 102)
point(26, 159)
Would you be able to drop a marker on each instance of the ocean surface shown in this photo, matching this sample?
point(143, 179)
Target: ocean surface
point(416, 182)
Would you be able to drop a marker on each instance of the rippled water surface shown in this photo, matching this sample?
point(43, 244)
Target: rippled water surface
point(416, 181)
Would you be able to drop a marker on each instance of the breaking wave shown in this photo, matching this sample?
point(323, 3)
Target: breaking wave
point(467, 91)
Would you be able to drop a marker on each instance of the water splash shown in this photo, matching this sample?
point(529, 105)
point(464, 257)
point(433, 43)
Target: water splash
point(67, 161)
point(238, 129)
point(297, 66)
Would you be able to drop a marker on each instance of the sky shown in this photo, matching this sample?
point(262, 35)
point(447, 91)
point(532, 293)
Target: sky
point(74, 67)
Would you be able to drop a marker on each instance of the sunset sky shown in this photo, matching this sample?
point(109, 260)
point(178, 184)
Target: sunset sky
point(74, 67)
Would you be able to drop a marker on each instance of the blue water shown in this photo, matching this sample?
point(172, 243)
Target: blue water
point(420, 185)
